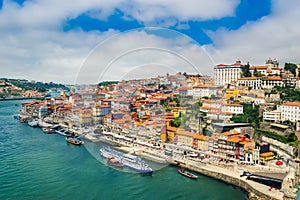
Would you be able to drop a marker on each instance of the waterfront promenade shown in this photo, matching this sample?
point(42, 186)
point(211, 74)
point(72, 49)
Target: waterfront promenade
point(227, 172)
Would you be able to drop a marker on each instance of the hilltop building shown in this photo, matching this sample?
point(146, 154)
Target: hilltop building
point(225, 74)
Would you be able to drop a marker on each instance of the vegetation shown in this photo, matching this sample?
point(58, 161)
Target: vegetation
point(286, 93)
point(251, 115)
point(38, 86)
point(107, 83)
point(246, 70)
point(176, 122)
point(291, 67)
point(290, 138)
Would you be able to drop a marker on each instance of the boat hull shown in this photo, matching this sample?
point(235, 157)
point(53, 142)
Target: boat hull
point(74, 141)
point(115, 163)
point(187, 174)
point(127, 160)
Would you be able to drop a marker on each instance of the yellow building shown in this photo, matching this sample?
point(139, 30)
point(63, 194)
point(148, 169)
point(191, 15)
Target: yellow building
point(201, 142)
point(267, 156)
point(85, 117)
point(171, 131)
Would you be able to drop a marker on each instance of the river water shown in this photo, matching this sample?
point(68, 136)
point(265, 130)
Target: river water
point(34, 165)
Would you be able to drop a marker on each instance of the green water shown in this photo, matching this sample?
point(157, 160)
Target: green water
point(34, 165)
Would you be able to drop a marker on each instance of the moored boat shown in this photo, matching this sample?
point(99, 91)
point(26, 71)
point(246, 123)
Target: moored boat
point(130, 161)
point(108, 153)
point(136, 163)
point(48, 130)
point(185, 173)
point(23, 120)
point(33, 123)
point(116, 162)
point(74, 141)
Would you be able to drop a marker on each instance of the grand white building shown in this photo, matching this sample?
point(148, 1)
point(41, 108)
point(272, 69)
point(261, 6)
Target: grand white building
point(224, 74)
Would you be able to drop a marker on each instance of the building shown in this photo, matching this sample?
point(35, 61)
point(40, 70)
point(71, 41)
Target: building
point(264, 82)
point(290, 111)
point(271, 68)
point(186, 91)
point(233, 108)
point(272, 116)
point(225, 74)
point(204, 91)
point(266, 156)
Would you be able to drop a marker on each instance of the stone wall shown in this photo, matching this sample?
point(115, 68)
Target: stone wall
point(252, 192)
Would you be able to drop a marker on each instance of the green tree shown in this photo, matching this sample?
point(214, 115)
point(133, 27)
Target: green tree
point(107, 83)
point(246, 70)
point(251, 115)
point(255, 72)
point(291, 137)
point(291, 67)
point(176, 122)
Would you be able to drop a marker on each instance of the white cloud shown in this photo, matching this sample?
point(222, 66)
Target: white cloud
point(183, 10)
point(33, 45)
point(275, 36)
point(139, 53)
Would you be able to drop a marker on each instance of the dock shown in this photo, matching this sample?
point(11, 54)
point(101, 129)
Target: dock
point(61, 132)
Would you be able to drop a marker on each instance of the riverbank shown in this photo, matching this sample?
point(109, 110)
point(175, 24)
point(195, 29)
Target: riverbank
point(258, 190)
point(157, 154)
point(228, 173)
point(18, 98)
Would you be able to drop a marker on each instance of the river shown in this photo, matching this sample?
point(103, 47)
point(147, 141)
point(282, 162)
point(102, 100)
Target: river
point(34, 165)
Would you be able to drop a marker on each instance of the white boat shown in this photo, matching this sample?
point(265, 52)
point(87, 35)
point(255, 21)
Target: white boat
point(136, 163)
point(108, 153)
point(130, 161)
point(33, 123)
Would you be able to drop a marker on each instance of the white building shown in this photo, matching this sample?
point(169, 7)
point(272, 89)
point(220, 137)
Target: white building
point(265, 82)
point(272, 116)
point(204, 91)
point(224, 74)
point(271, 68)
point(290, 111)
point(233, 108)
point(216, 109)
point(186, 91)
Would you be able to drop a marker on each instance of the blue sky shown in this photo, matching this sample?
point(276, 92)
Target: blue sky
point(247, 10)
point(56, 40)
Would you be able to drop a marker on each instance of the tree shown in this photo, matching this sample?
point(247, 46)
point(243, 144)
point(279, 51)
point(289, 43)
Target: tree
point(291, 137)
point(176, 122)
point(255, 72)
point(251, 115)
point(246, 70)
point(291, 67)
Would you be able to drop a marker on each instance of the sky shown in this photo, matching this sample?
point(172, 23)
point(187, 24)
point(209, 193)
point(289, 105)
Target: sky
point(75, 41)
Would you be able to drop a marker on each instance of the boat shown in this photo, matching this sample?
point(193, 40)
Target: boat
point(17, 117)
point(136, 163)
point(185, 173)
point(130, 161)
point(108, 153)
point(116, 162)
point(48, 130)
point(74, 141)
point(23, 120)
point(33, 123)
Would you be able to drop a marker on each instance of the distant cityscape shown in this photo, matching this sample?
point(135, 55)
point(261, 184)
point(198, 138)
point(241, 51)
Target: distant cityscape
point(245, 119)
